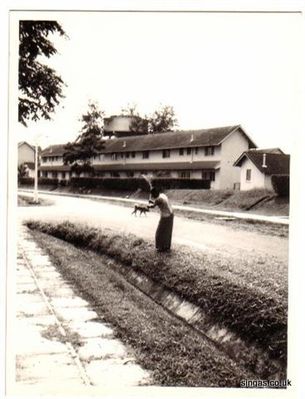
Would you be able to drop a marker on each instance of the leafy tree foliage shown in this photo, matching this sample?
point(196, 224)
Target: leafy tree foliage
point(22, 171)
point(89, 143)
point(139, 124)
point(40, 87)
point(162, 120)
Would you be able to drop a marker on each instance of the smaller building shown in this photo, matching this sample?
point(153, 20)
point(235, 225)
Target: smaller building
point(258, 165)
point(26, 157)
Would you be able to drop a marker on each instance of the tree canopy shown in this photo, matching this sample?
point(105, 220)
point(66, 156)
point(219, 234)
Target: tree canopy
point(162, 120)
point(40, 88)
point(89, 143)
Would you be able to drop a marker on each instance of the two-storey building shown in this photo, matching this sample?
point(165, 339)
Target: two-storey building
point(207, 154)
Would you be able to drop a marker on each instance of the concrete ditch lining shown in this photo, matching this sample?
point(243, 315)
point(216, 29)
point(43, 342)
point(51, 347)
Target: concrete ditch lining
point(250, 356)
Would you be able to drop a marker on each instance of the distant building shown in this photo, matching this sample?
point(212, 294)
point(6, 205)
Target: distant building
point(258, 165)
point(26, 157)
point(52, 164)
point(207, 154)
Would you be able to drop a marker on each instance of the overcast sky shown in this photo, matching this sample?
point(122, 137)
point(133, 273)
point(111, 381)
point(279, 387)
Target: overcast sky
point(214, 69)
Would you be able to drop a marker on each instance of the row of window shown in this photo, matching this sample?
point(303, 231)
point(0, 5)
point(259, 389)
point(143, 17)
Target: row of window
point(165, 153)
point(145, 154)
point(54, 175)
point(51, 159)
point(183, 174)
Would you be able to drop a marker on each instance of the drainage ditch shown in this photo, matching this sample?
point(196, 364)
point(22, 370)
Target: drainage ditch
point(247, 355)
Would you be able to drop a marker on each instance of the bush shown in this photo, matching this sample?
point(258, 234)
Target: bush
point(26, 181)
point(280, 185)
point(132, 184)
point(63, 183)
point(42, 181)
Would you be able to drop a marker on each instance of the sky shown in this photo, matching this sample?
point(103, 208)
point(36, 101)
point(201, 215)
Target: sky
point(215, 69)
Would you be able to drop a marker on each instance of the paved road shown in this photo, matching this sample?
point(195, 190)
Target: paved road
point(203, 235)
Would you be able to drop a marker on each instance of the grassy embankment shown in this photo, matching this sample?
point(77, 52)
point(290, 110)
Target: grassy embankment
point(248, 298)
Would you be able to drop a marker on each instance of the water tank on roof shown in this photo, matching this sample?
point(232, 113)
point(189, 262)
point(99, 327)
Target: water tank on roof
point(118, 125)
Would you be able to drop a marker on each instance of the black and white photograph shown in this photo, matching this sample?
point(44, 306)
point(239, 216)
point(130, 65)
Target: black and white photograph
point(152, 224)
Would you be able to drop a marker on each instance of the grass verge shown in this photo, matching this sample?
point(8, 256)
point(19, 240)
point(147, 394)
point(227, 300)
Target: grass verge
point(24, 200)
point(173, 353)
point(250, 299)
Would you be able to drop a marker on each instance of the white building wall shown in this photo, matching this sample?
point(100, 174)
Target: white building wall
point(257, 178)
point(155, 156)
point(268, 184)
point(231, 149)
point(25, 154)
point(48, 162)
point(224, 177)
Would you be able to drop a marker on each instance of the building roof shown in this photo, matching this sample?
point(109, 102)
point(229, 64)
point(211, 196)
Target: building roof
point(276, 163)
point(275, 150)
point(172, 140)
point(160, 141)
point(54, 150)
point(24, 142)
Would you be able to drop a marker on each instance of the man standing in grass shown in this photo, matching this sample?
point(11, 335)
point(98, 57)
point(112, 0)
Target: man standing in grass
point(165, 227)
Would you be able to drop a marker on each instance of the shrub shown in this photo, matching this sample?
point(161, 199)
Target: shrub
point(46, 181)
point(280, 184)
point(133, 183)
point(26, 181)
point(42, 181)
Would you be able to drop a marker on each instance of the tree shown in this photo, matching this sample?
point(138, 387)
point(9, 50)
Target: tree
point(40, 87)
point(138, 124)
point(89, 143)
point(162, 120)
point(23, 171)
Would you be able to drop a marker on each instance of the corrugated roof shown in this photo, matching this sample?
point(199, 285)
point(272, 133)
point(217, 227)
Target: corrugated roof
point(54, 150)
point(160, 141)
point(169, 140)
point(276, 164)
point(275, 150)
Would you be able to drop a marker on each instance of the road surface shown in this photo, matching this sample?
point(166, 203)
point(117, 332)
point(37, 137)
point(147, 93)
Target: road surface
point(202, 235)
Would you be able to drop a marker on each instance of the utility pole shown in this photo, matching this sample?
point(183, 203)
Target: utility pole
point(35, 197)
